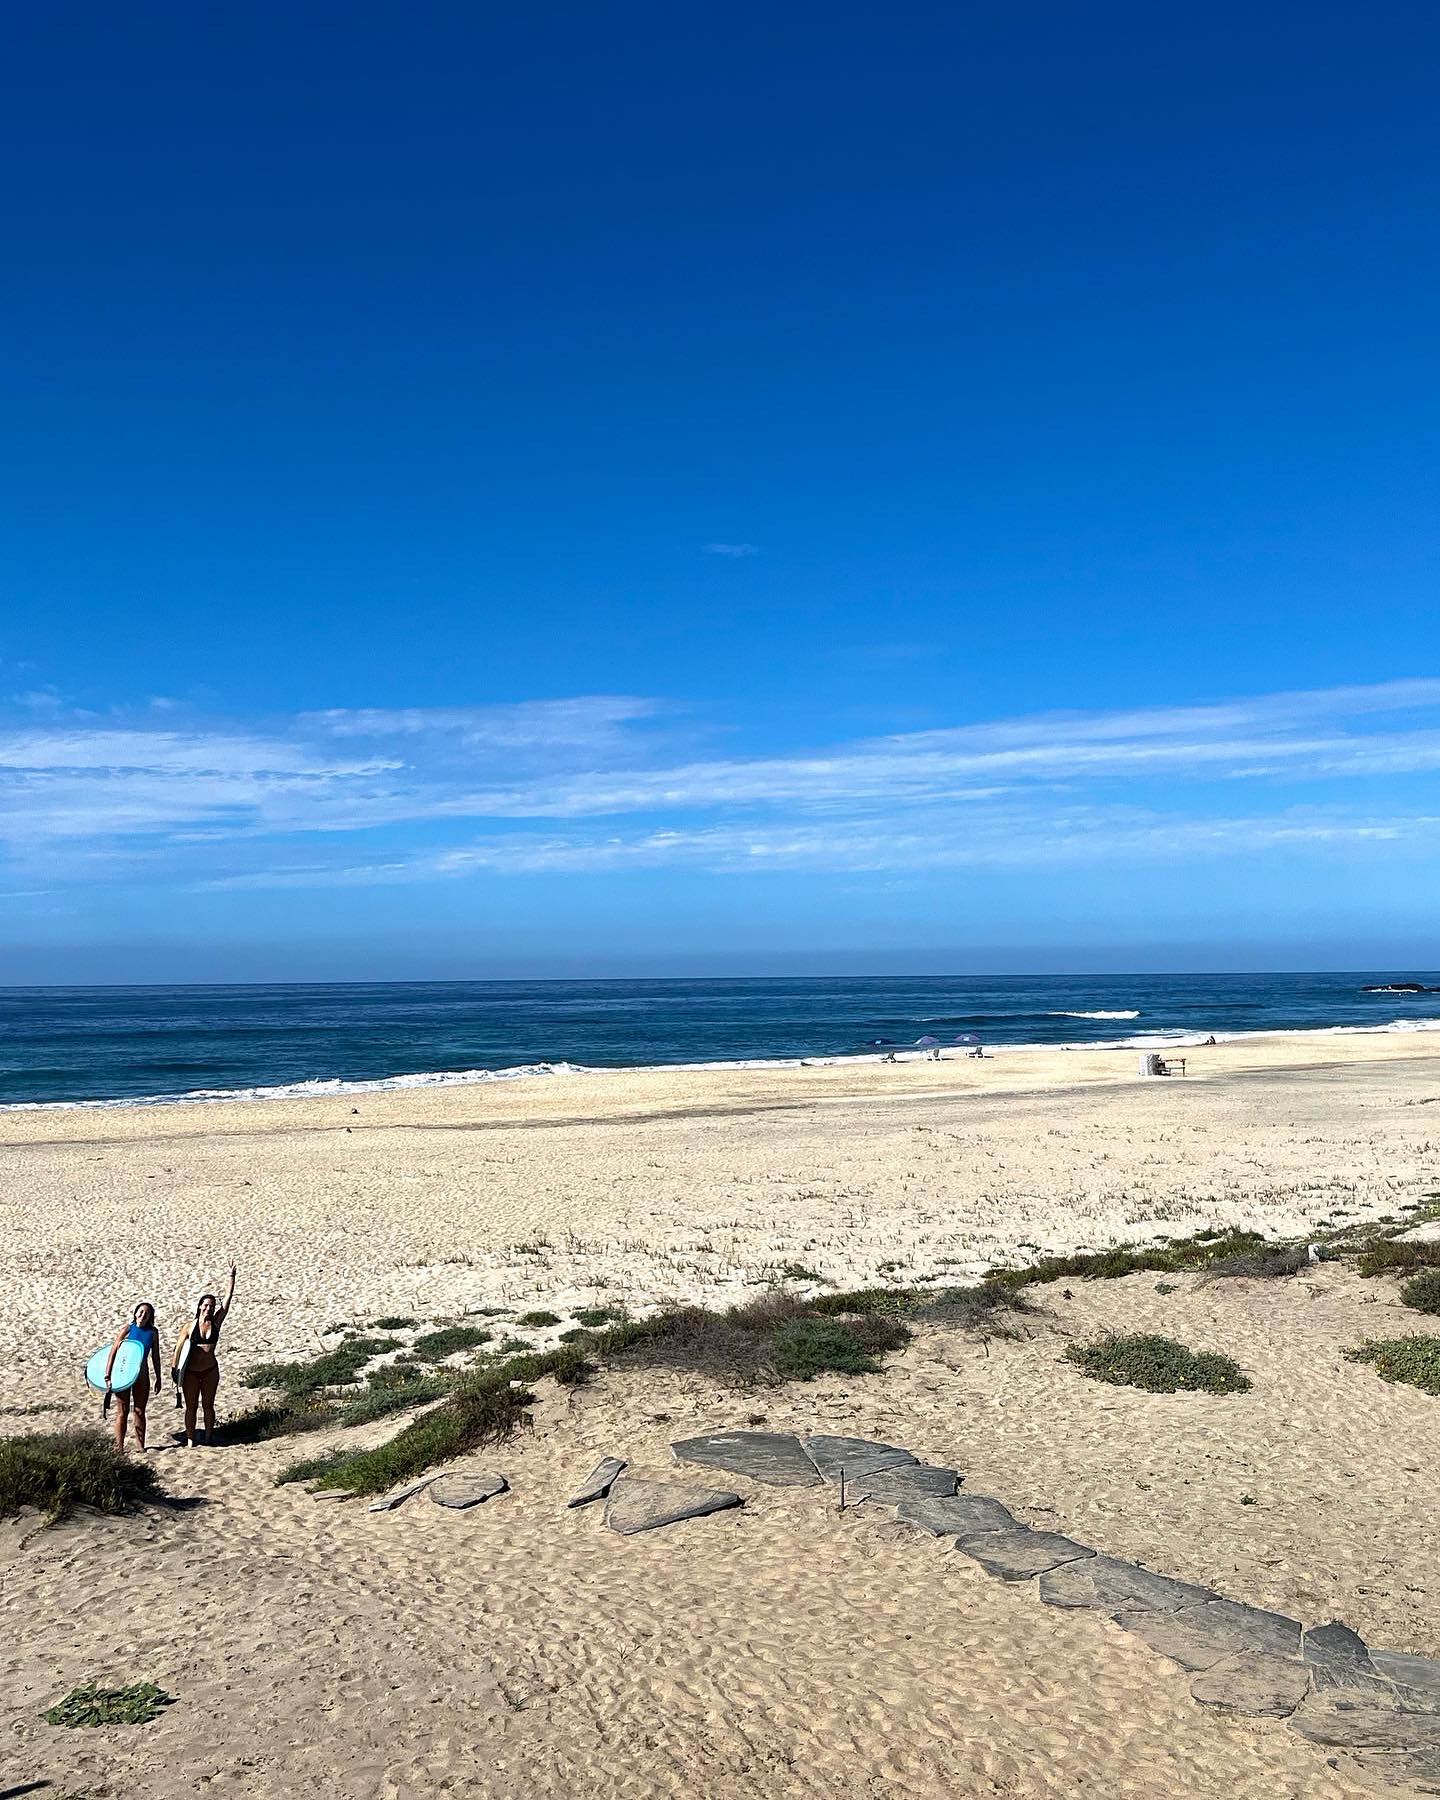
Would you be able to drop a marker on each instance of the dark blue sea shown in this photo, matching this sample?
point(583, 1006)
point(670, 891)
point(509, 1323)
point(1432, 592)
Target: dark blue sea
point(67, 1045)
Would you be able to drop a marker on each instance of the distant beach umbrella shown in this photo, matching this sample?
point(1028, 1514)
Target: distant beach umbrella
point(926, 1043)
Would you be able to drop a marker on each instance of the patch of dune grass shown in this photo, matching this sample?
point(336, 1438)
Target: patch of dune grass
point(340, 1367)
point(1274, 1262)
point(592, 1317)
point(393, 1323)
point(1423, 1292)
point(1394, 1256)
point(770, 1340)
point(381, 1399)
point(266, 1422)
point(1160, 1365)
point(59, 1471)
point(538, 1317)
point(802, 1348)
point(1413, 1360)
point(478, 1409)
point(987, 1306)
point(433, 1346)
point(1198, 1252)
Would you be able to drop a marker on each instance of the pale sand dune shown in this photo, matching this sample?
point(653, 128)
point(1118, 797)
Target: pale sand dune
point(522, 1650)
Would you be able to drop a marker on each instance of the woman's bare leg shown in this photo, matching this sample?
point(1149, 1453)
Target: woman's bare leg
point(140, 1394)
point(209, 1385)
point(122, 1419)
point(190, 1387)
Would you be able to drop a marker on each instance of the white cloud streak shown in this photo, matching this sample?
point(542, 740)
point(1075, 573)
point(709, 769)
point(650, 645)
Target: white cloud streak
point(84, 795)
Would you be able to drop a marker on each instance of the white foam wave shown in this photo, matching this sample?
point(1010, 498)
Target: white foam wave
point(315, 1090)
point(1157, 1038)
point(1132, 1013)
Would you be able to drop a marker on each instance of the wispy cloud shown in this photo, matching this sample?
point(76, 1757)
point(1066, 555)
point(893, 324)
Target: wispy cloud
point(272, 804)
point(1082, 835)
point(737, 550)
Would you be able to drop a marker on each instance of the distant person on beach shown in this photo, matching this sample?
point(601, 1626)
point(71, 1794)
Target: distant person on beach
point(196, 1367)
point(141, 1330)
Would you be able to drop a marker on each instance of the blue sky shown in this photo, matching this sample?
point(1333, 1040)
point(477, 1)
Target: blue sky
point(687, 489)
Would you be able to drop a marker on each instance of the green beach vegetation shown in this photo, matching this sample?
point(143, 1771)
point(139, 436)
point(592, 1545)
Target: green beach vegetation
point(1160, 1365)
point(60, 1471)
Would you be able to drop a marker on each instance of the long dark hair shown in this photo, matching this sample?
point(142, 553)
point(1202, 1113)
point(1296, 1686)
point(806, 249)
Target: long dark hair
point(214, 1304)
point(143, 1306)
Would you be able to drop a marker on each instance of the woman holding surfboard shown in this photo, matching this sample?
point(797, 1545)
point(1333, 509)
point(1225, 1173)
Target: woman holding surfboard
point(140, 1331)
point(196, 1367)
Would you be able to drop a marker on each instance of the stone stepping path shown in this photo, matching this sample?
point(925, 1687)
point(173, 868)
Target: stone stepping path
point(1325, 1681)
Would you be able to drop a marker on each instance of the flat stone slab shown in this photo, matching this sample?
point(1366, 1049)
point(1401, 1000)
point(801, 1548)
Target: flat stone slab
point(1418, 1676)
point(961, 1516)
point(1107, 1584)
point(1260, 1687)
point(1394, 1767)
point(599, 1481)
point(774, 1457)
point(1339, 1663)
point(858, 1457)
point(1019, 1553)
point(460, 1492)
point(1368, 1727)
point(636, 1505)
point(388, 1502)
point(1198, 1637)
point(906, 1481)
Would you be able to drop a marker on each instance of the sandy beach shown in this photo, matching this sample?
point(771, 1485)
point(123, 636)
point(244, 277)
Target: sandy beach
point(784, 1648)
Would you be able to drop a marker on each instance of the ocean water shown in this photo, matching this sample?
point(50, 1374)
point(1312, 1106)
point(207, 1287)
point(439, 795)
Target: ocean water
point(115, 1044)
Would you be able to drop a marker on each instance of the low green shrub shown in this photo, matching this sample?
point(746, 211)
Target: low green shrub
point(434, 1346)
point(801, 1349)
point(58, 1471)
point(1159, 1365)
point(262, 1424)
point(137, 1704)
point(339, 1367)
point(769, 1340)
point(592, 1317)
point(1413, 1360)
point(479, 1411)
point(538, 1317)
point(395, 1323)
point(1273, 1263)
point(1423, 1292)
point(1394, 1256)
point(987, 1306)
point(380, 1399)
point(1196, 1252)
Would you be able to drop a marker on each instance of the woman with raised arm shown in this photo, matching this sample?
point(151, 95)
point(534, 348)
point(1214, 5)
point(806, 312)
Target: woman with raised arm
point(140, 1330)
point(196, 1368)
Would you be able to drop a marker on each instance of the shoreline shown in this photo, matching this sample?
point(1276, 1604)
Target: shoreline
point(646, 1188)
point(423, 1081)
